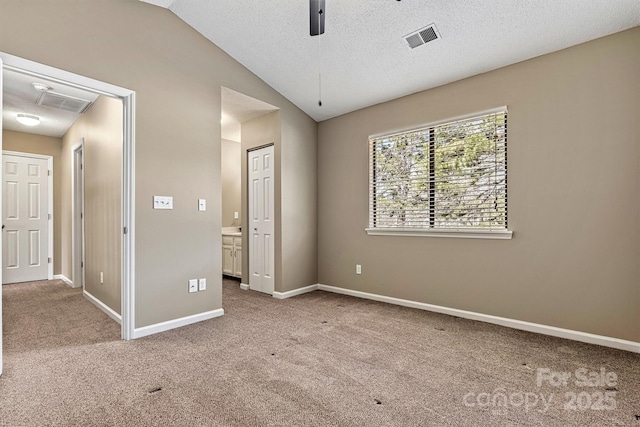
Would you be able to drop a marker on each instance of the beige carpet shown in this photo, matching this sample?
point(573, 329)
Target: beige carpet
point(315, 360)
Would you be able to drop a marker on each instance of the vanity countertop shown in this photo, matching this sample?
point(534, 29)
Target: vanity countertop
point(231, 231)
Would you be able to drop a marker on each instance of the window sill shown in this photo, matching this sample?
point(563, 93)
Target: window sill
point(458, 234)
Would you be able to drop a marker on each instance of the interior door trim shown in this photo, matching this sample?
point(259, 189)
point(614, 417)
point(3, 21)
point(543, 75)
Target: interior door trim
point(128, 98)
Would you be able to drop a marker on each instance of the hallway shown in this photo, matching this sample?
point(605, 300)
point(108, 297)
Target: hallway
point(49, 315)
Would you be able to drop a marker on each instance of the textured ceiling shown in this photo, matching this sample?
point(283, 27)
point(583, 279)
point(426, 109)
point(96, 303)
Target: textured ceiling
point(19, 96)
point(363, 58)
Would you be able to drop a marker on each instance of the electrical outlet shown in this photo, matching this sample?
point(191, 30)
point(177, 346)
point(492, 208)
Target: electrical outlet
point(202, 284)
point(193, 285)
point(358, 269)
point(101, 278)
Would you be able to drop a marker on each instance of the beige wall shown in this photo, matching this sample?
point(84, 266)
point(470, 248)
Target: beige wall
point(49, 146)
point(574, 204)
point(299, 203)
point(101, 128)
point(231, 177)
point(263, 130)
point(177, 75)
point(296, 210)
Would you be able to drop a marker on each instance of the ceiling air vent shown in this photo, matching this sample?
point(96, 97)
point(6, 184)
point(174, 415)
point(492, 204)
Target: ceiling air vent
point(422, 36)
point(63, 102)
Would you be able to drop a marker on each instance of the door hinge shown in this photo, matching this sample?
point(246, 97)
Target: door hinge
point(81, 264)
point(48, 173)
point(50, 260)
point(125, 230)
point(81, 216)
point(48, 216)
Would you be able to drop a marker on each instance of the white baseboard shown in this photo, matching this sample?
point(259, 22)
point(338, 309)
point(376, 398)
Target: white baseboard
point(176, 323)
point(294, 292)
point(244, 286)
point(64, 279)
point(102, 306)
point(503, 321)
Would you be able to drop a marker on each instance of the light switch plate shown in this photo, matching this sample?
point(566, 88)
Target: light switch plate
point(162, 202)
point(202, 204)
point(236, 215)
point(193, 285)
point(202, 284)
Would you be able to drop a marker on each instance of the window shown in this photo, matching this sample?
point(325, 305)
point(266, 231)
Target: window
point(445, 179)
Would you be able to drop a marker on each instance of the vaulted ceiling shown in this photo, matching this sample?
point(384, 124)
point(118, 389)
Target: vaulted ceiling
point(363, 58)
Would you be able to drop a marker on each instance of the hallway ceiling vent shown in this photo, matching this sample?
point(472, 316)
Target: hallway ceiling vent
point(63, 102)
point(422, 36)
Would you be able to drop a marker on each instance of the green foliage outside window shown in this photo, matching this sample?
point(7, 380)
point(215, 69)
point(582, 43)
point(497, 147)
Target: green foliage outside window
point(441, 177)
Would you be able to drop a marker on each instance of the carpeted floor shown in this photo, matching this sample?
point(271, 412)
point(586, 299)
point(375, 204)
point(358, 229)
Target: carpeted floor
point(319, 359)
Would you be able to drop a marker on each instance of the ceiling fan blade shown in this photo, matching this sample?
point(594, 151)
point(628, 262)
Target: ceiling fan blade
point(316, 17)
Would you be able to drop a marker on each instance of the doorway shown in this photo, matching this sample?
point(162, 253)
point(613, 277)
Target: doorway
point(247, 124)
point(77, 215)
point(261, 219)
point(127, 97)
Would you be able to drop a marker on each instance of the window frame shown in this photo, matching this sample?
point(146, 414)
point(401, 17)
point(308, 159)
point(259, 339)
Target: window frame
point(499, 233)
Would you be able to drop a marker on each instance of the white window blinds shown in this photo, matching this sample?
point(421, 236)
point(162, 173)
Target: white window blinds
point(451, 176)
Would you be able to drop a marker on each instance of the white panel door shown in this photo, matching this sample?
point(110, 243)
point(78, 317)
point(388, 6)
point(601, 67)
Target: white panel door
point(261, 220)
point(25, 243)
